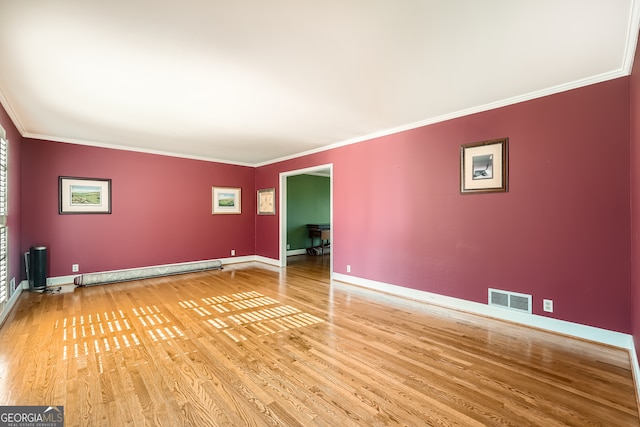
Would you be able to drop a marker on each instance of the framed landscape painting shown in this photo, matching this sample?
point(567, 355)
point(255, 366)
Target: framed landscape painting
point(226, 200)
point(84, 195)
point(484, 166)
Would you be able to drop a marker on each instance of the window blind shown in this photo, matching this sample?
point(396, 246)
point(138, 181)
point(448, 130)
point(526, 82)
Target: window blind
point(4, 294)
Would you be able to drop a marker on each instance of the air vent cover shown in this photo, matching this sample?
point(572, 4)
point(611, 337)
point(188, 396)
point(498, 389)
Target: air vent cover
point(511, 300)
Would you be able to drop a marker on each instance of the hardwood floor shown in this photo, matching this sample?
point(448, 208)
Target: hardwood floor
point(255, 345)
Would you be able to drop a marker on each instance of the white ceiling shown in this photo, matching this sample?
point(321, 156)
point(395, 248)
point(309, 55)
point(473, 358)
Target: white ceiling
point(253, 81)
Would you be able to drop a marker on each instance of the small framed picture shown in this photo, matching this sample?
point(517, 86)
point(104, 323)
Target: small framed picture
point(484, 166)
point(226, 200)
point(267, 201)
point(84, 195)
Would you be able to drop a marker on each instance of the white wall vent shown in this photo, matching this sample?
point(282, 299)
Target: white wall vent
point(510, 300)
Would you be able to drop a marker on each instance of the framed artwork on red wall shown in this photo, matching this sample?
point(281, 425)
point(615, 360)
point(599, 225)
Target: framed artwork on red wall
point(226, 200)
point(84, 195)
point(484, 166)
point(267, 201)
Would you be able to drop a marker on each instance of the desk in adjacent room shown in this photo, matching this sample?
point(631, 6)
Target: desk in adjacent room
point(319, 231)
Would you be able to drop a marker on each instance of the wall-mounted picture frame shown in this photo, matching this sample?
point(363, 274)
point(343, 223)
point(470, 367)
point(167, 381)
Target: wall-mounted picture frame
point(226, 200)
point(84, 195)
point(484, 167)
point(267, 201)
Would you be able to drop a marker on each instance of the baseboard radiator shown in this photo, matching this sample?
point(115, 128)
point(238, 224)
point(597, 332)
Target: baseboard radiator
point(115, 276)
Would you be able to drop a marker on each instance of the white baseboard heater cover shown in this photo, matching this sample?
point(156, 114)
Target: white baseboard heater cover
point(115, 276)
point(511, 300)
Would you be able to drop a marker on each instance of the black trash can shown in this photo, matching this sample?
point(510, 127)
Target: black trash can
point(37, 267)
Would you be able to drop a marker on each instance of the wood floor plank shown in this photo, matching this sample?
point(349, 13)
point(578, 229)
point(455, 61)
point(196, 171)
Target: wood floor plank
point(255, 345)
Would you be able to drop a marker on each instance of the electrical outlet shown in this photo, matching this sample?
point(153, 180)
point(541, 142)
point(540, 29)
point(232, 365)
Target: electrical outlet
point(75, 268)
point(233, 252)
point(348, 268)
point(547, 305)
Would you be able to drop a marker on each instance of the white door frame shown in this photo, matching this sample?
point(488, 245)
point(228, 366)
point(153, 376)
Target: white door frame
point(283, 208)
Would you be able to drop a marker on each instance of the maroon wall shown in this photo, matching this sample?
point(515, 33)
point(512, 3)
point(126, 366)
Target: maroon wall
point(14, 221)
point(561, 232)
point(161, 209)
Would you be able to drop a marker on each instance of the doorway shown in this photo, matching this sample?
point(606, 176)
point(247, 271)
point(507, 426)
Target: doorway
point(325, 170)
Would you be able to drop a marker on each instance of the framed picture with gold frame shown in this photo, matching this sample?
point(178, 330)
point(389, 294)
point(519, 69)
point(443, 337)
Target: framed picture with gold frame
point(267, 201)
point(484, 166)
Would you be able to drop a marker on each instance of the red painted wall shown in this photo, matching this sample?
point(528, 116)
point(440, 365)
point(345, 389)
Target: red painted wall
point(14, 221)
point(161, 209)
point(561, 232)
point(635, 202)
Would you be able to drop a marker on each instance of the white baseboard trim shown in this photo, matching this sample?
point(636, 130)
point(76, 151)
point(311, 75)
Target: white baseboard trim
point(237, 259)
point(11, 302)
point(633, 355)
point(591, 333)
point(604, 336)
point(296, 252)
point(270, 261)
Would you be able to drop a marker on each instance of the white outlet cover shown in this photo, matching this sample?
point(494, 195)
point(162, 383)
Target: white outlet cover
point(547, 305)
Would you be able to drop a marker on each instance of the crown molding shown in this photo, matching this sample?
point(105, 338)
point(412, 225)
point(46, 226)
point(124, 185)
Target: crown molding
point(632, 37)
point(457, 114)
point(11, 113)
point(133, 149)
